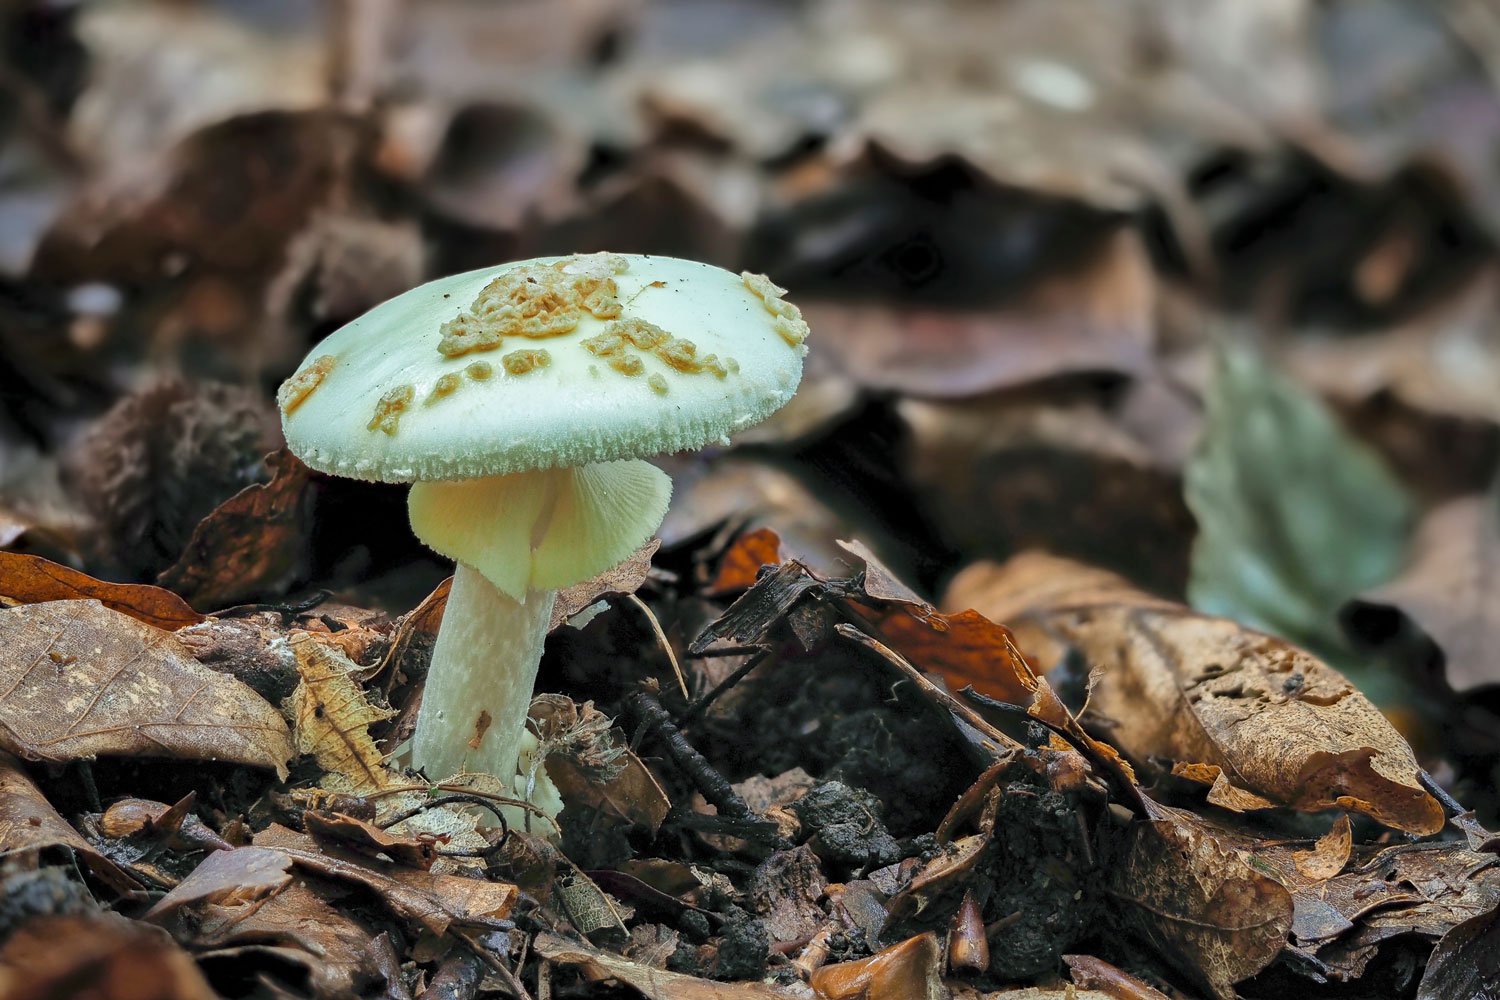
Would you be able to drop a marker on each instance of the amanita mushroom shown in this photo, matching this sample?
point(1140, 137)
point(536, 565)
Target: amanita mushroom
point(520, 400)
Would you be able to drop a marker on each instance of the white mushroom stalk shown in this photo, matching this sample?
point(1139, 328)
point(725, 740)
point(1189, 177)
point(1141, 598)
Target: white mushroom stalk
point(518, 400)
point(556, 528)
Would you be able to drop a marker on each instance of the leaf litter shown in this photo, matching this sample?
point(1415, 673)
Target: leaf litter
point(1069, 258)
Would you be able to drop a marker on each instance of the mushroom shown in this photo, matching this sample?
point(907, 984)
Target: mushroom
point(519, 401)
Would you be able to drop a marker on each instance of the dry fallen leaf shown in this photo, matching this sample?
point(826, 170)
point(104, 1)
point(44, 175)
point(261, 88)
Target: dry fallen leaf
point(655, 984)
point(1329, 855)
point(430, 901)
point(1198, 900)
point(1448, 591)
point(249, 544)
point(625, 578)
point(740, 565)
point(78, 680)
point(1466, 962)
point(1264, 723)
point(911, 970)
point(1096, 319)
point(106, 958)
point(29, 824)
point(26, 579)
point(331, 719)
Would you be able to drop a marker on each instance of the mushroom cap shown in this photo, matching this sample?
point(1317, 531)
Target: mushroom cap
point(558, 361)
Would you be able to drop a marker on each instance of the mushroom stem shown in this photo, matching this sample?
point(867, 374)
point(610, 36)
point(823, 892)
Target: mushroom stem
point(473, 714)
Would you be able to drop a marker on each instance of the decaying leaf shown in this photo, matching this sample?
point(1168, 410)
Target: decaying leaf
point(247, 545)
point(1466, 963)
point(331, 719)
point(428, 900)
point(1261, 721)
point(741, 563)
point(1294, 516)
point(225, 878)
point(625, 578)
point(1199, 901)
point(78, 680)
point(1448, 591)
point(655, 984)
point(591, 764)
point(105, 956)
point(29, 824)
point(26, 579)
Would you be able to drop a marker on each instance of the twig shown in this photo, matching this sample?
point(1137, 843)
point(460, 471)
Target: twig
point(495, 963)
point(705, 777)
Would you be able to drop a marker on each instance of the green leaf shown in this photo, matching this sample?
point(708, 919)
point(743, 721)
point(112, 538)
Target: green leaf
point(1294, 516)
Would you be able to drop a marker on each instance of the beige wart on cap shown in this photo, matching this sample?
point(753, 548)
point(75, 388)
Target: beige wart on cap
point(519, 400)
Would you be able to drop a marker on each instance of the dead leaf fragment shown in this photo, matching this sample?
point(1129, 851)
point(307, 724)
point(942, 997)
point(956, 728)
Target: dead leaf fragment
point(1271, 720)
point(1329, 855)
point(27, 579)
point(247, 545)
point(1088, 971)
point(78, 680)
point(625, 578)
point(226, 878)
point(740, 565)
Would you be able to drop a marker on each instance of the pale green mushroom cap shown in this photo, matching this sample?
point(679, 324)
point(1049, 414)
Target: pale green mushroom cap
point(378, 399)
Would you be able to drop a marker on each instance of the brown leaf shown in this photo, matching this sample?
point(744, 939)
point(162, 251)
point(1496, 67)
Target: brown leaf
point(78, 680)
point(655, 984)
point(354, 834)
point(1449, 590)
point(106, 957)
point(1271, 720)
point(247, 545)
point(32, 580)
point(1095, 320)
point(1198, 901)
point(226, 878)
point(331, 719)
point(430, 901)
point(29, 824)
point(624, 788)
point(1329, 855)
point(1466, 962)
point(625, 578)
point(741, 564)
point(910, 970)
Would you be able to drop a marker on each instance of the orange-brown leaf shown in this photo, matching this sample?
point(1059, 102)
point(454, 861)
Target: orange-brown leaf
point(740, 567)
point(28, 579)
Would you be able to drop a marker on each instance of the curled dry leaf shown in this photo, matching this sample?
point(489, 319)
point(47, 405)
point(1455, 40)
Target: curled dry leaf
point(226, 878)
point(655, 984)
point(1261, 721)
point(247, 545)
point(79, 680)
point(1197, 900)
point(106, 957)
point(26, 579)
point(1089, 971)
point(29, 824)
point(910, 970)
point(1448, 590)
point(1329, 855)
point(591, 764)
point(331, 719)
